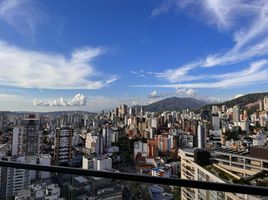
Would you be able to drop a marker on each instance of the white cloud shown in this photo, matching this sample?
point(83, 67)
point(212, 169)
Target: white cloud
point(180, 92)
point(4, 95)
point(186, 92)
point(154, 94)
point(180, 74)
point(33, 69)
point(246, 20)
point(223, 14)
point(77, 100)
point(140, 73)
point(22, 15)
point(256, 73)
point(238, 95)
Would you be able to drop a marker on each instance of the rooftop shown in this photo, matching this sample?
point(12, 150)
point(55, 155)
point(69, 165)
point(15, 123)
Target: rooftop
point(254, 152)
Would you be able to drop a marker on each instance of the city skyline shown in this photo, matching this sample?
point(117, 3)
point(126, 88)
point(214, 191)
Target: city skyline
point(96, 55)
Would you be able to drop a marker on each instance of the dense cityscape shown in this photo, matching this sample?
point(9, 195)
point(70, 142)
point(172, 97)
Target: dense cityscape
point(215, 143)
point(133, 100)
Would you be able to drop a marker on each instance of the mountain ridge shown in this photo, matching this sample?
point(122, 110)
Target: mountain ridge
point(243, 101)
point(174, 104)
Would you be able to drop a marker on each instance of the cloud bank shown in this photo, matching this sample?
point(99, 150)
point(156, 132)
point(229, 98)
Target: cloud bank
point(180, 92)
point(33, 69)
point(77, 100)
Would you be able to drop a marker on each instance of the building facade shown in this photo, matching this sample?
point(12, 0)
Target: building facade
point(63, 145)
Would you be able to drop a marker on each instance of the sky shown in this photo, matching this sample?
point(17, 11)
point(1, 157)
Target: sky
point(96, 54)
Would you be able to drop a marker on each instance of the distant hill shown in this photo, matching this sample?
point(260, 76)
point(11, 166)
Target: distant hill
point(174, 104)
point(245, 101)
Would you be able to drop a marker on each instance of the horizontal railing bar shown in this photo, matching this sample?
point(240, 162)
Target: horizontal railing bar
point(224, 187)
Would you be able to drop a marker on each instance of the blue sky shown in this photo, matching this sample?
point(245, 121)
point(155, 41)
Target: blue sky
point(94, 55)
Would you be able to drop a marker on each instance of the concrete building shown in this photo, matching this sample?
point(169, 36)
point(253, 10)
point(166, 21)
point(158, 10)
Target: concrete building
point(94, 143)
point(40, 191)
point(192, 171)
point(215, 122)
point(97, 162)
point(107, 137)
point(13, 180)
point(63, 145)
point(261, 105)
point(26, 139)
point(154, 122)
point(215, 137)
point(123, 110)
point(201, 136)
point(244, 125)
point(17, 141)
point(236, 114)
point(43, 159)
point(243, 163)
point(265, 103)
point(152, 148)
point(4, 150)
point(259, 139)
point(140, 147)
point(161, 171)
point(215, 110)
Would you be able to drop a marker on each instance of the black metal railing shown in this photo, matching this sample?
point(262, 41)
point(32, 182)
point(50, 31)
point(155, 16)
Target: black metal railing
point(224, 187)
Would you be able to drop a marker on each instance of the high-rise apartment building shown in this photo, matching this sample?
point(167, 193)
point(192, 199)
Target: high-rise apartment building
point(215, 122)
point(236, 114)
point(63, 145)
point(123, 110)
point(12, 180)
point(26, 139)
point(94, 143)
point(32, 135)
point(215, 110)
point(201, 136)
point(97, 162)
point(265, 103)
point(261, 105)
point(192, 171)
point(107, 136)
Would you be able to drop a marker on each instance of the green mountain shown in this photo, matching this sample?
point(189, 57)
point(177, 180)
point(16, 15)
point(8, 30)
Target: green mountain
point(246, 101)
point(174, 104)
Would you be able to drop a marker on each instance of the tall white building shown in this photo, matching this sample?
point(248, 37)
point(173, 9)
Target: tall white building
point(123, 110)
point(17, 141)
point(63, 145)
point(97, 162)
point(201, 136)
point(94, 143)
point(154, 122)
point(216, 123)
point(236, 114)
point(215, 110)
point(13, 180)
point(265, 103)
point(114, 136)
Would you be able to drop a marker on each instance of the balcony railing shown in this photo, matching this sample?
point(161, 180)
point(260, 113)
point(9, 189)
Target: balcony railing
point(223, 187)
